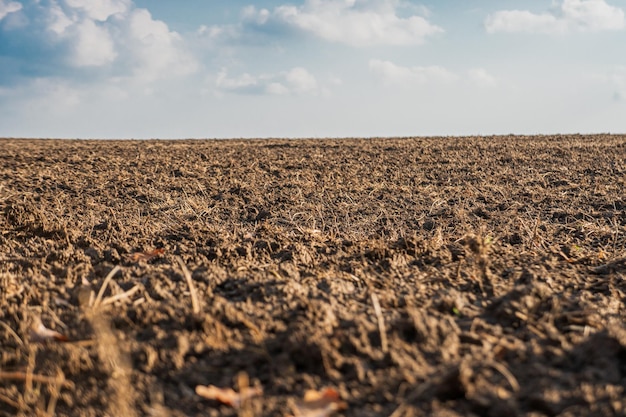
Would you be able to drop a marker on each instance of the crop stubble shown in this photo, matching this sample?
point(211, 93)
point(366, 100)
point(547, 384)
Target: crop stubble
point(417, 276)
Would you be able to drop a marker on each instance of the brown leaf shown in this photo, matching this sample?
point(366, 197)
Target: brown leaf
point(319, 403)
point(40, 333)
point(227, 396)
point(145, 256)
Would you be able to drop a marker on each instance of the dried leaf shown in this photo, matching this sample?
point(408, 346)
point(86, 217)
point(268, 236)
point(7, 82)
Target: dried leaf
point(145, 256)
point(40, 333)
point(319, 403)
point(228, 396)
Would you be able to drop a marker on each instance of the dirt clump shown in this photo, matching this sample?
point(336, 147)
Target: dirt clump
point(376, 277)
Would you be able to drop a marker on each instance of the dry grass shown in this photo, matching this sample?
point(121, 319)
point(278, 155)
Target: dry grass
point(115, 361)
point(416, 275)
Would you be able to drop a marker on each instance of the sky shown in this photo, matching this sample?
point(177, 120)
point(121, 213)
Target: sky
point(310, 68)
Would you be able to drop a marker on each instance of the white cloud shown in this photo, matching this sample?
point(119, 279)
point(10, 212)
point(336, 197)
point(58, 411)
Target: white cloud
point(94, 45)
point(300, 81)
point(58, 22)
point(244, 83)
point(523, 21)
point(115, 34)
point(90, 42)
point(9, 7)
point(217, 32)
point(157, 52)
point(276, 89)
point(251, 14)
point(593, 15)
point(391, 73)
point(96, 58)
point(482, 77)
point(353, 22)
point(47, 98)
point(100, 10)
point(571, 16)
point(102, 108)
point(296, 81)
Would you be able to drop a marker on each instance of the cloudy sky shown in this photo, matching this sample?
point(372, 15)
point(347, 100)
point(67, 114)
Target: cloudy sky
point(310, 68)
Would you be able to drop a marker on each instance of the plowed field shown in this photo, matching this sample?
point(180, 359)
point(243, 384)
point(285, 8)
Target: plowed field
point(412, 277)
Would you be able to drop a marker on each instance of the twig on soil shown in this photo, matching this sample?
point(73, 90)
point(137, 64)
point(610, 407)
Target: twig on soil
point(9, 401)
point(615, 234)
point(25, 376)
point(276, 274)
point(98, 299)
point(243, 383)
point(116, 364)
point(28, 376)
point(229, 396)
point(125, 294)
point(381, 323)
point(54, 393)
point(506, 374)
point(12, 333)
point(195, 305)
point(226, 396)
point(398, 411)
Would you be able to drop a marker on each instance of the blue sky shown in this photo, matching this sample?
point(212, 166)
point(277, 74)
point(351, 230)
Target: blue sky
point(310, 68)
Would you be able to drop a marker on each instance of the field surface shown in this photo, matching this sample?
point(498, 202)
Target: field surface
point(398, 277)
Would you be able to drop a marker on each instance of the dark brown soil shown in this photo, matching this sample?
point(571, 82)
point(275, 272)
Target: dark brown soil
point(498, 265)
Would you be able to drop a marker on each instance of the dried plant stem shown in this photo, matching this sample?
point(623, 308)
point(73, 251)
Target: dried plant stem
point(9, 401)
point(399, 411)
point(615, 236)
point(96, 302)
point(24, 376)
point(195, 304)
point(506, 374)
point(54, 394)
point(28, 375)
point(125, 294)
point(12, 333)
point(116, 363)
point(243, 382)
point(381, 323)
